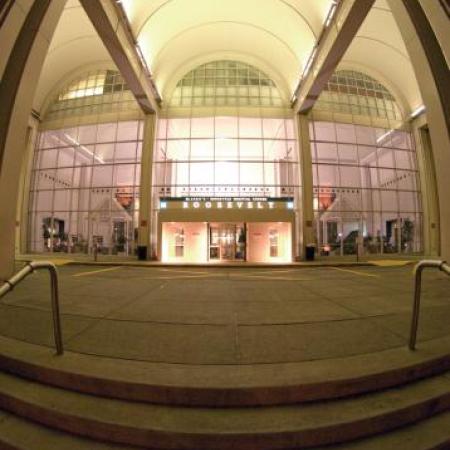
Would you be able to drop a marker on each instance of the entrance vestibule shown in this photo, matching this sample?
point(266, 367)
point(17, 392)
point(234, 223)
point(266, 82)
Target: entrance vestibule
point(216, 242)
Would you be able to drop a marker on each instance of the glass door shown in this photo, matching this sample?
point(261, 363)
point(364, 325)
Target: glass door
point(227, 242)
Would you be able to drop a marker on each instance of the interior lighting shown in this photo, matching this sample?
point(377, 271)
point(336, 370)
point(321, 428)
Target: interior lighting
point(82, 147)
point(417, 112)
point(330, 14)
point(309, 62)
point(384, 136)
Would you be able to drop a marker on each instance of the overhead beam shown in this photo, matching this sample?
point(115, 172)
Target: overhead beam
point(331, 47)
point(113, 29)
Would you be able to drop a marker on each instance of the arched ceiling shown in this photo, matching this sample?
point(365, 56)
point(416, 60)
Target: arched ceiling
point(279, 33)
point(275, 35)
point(75, 45)
point(379, 49)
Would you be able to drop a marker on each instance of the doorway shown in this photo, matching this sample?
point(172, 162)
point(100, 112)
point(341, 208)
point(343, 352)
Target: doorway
point(227, 242)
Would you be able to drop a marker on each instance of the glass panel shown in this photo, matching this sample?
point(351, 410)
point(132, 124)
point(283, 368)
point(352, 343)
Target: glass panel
point(347, 154)
point(179, 128)
point(202, 127)
point(102, 176)
point(127, 131)
point(87, 134)
point(326, 152)
point(48, 159)
point(328, 175)
point(345, 133)
point(250, 127)
point(106, 132)
point(226, 127)
point(104, 153)
point(202, 149)
point(250, 149)
point(325, 131)
point(226, 149)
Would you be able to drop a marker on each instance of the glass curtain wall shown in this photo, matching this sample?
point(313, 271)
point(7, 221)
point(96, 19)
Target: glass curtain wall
point(365, 178)
point(224, 145)
point(222, 156)
point(85, 189)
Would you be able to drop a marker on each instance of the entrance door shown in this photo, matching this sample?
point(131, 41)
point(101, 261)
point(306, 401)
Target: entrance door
point(227, 242)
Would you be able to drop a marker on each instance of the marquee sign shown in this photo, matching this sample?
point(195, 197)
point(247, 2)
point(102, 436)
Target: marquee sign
point(201, 203)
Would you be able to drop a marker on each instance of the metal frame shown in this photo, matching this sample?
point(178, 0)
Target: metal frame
point(441, 265)
point(30, 267)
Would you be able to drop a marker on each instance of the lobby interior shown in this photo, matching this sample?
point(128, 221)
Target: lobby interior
point(231, 199)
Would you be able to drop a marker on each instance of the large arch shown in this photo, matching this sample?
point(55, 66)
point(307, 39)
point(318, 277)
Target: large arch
point(33, 32)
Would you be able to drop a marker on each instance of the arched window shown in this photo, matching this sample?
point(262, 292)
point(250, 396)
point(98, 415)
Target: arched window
point(226, 83)
point(217, 151)
point(93, 92)
point(353, 92)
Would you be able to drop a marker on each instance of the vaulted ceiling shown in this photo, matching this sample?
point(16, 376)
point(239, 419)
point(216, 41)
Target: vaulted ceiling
point(275, 35)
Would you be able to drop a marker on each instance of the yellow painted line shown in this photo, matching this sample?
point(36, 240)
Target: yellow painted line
point(61, 262)
point(184, 271)
point(175, 277)
point(271, 278)
point(362, 274)
point(390, 263)
point(273, 272)
point(91, 272)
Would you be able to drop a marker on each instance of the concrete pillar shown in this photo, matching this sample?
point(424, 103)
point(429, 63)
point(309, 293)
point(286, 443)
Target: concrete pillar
point(423, 30)
point(146, 195)
point(19, 80)
point(430, 206)
point(306, 206)
point(23, 206)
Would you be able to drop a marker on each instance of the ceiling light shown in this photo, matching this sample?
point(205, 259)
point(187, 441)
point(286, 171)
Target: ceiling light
point(417, 112)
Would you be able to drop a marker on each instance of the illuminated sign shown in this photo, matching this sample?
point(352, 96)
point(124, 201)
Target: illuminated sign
point(198, 203)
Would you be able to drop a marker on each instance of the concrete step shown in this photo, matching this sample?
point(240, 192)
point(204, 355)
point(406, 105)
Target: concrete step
point(257, 428)
point(21, 434)
point(224, 385)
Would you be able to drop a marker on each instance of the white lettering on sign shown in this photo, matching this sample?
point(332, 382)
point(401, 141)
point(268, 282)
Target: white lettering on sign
point(235, 204)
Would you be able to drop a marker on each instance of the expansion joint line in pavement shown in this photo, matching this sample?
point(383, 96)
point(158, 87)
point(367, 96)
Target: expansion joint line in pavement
point(97, 320)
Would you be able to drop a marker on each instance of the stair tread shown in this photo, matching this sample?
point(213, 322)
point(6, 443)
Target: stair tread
point(424, 435)
point(252, 376)
point(261, 420)
point(22, 434)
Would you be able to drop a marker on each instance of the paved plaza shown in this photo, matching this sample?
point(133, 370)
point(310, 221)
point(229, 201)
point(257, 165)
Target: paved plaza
point(228, 315)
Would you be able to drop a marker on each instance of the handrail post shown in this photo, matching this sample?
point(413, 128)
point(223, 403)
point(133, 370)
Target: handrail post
point(54, 290)
point(23, 273)
point(416, 307)
point(55, 310)
point(442, 266)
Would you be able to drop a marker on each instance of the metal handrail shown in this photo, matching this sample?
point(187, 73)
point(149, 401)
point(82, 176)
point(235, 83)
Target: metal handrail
point(441, 265)
point(22, 274)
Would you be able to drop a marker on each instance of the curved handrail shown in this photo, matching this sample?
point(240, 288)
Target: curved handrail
point(22, 274)
point(441, 265)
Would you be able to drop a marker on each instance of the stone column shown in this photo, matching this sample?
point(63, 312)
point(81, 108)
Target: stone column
point(428, 188)
point(26, 50)
point(422, 27)
point(306, 204)
point(146, 195)
point(23, 203)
